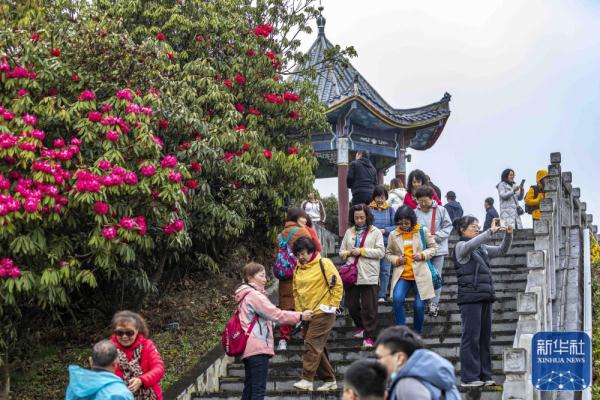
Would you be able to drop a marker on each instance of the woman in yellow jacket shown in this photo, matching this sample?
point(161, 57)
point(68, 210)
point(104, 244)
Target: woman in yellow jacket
point(317, 287)
point(535, 194)
point(409, 262)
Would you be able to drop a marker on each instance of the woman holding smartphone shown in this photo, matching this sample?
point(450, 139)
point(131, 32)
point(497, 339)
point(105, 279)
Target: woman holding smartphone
point(510, 194)
point(476, 296)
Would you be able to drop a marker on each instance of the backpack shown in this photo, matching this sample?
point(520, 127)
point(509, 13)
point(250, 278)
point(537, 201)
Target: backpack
point(285, 262)
point(233, 338)
point(536, 192)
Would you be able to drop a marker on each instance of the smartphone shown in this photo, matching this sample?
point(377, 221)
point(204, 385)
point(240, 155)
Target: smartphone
point(522, 182)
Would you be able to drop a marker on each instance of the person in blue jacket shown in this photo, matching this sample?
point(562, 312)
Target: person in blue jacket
point(99, 382)
point(415, 372)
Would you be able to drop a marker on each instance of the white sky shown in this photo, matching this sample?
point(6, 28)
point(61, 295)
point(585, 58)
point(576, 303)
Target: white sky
point(524, 78)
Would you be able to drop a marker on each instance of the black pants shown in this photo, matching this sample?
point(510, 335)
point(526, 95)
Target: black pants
point(257, 368)
point(361, 301)
point(362, 198)
point(475, 342)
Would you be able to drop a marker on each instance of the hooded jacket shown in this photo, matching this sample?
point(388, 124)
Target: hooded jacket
point(396, 197)
point(533, 200)
point(429, 369)
point(87, 384)
point(311, 288)
point(362, 176)
point(254, 301)
point(152, 365)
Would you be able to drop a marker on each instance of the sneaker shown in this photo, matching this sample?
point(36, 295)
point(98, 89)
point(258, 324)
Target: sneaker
point(327, 386)
point(381, 300)
point(359, 334)
point(490, 382)
point(472, 384)
point(304, 385)
point(368, 343)
point(433, 310)
point(282, 345)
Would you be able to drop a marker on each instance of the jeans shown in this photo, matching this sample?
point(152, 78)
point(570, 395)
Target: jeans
point(438, 264)
point(255, 384)
point(400, 291)
point(475, 342)
point(384, 277)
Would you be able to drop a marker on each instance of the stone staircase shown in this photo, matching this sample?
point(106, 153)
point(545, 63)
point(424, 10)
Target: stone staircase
point(442, 334)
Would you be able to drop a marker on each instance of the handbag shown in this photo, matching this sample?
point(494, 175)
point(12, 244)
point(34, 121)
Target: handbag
point(349, 271)
point(520, 210)
point(436, 279)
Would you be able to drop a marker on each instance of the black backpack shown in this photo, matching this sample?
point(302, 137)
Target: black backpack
point(536, 192)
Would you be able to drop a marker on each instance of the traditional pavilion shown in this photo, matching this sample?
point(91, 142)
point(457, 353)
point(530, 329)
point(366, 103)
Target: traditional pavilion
point(362, 120)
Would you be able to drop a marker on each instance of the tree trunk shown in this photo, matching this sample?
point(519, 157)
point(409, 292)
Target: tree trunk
point(5, 382)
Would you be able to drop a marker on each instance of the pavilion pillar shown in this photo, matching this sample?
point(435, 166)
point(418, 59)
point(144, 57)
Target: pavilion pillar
point(380, 176)
point(343, 198)
point(401, 157)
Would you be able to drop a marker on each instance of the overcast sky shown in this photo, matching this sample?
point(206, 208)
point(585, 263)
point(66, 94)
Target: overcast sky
point(524, 78)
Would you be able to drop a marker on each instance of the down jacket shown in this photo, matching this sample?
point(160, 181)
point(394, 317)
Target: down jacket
point(531, 199)
point(151, 363)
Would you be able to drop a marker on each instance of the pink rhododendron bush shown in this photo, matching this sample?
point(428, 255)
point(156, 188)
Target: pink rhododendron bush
point(140, 140)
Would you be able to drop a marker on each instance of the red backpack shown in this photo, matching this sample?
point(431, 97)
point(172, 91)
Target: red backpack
point(234, 338)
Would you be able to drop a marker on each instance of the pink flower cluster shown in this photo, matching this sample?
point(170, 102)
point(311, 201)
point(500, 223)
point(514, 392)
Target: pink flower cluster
point(8, 269)
point(87, 182)
point(263, 30)
point(8, 204)
point(274, 98)
point(132, 108)
point(87, 95)
point(127, 224)
point(174, 227)
point(148, 170)
point(169, 161)
point(124, 94)
point(17, 72)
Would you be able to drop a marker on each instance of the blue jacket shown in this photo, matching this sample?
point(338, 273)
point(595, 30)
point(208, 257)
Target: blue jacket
point(87, 384)
point(432, 370)
point(384, 219)
point(490, 214)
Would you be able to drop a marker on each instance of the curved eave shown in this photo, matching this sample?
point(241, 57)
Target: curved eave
point(392, 122)
point(437, 134)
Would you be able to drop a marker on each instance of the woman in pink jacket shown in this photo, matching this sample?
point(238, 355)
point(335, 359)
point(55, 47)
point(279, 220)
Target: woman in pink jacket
point(254, 304)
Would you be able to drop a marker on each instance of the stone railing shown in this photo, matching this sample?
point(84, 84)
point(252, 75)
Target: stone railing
point(328, 240)
point(554, 297)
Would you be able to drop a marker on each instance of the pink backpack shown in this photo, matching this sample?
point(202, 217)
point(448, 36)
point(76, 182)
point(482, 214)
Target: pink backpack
point(234, 338)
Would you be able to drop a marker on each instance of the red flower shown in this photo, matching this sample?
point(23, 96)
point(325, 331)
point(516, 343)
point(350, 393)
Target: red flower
point(75, 78)
point(195, 166)
point(35, 36)
point(240, 107)
point(276, 64)
point(199, 38)
point(52, 91)
point(250, 53)
point(293, 150)
point(184, 146)
point(240, 79)
point(192, 183)
point(170, 55)
point(267, 153)
point(55, 52)
point(228, 83)
point(291, 96)
point(273, 98)
point(237, 184)
point(240, 128)
point(198, 137)
point(160, 36)
point(102, 33)
point(263, 30)
point(245, 147)
point(270, 54)
point(253, 111)
point(22, 93)
point(294, 114)
point(163, 124)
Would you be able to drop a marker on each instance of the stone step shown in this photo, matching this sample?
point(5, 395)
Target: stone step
point(432, 329)
point(486, 393)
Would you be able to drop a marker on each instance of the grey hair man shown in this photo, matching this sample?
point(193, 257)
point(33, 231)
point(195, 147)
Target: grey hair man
point(99, 382)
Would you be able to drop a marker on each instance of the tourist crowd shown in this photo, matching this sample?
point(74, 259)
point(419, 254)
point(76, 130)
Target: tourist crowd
point(396, 244)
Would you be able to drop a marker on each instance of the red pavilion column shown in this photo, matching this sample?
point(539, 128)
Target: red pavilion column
point(343, 199)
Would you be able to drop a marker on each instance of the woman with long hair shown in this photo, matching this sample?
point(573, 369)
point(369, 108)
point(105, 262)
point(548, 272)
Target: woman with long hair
point(416, 179)
point(510, 194)
point(365, 242)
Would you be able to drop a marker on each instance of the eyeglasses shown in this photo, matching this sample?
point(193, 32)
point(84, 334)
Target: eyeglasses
point(121, 333)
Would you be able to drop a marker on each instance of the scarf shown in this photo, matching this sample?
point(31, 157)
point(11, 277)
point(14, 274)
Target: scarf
point(133, 369)
point(360, 231)
point(378, 208)
point(414, 230)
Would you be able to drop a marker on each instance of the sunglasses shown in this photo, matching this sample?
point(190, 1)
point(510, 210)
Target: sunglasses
point(121, 333)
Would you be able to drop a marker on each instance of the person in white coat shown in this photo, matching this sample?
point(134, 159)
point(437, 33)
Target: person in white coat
point(365, 241)
point(396, 193)
point(510, 194)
